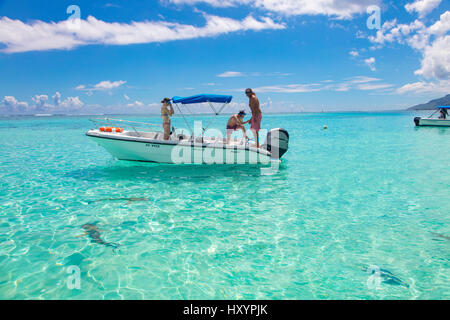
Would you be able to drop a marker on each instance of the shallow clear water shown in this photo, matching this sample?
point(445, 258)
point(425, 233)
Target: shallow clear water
point(370, 190)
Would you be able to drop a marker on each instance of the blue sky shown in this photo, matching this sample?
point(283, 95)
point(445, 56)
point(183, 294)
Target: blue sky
point(298, 55)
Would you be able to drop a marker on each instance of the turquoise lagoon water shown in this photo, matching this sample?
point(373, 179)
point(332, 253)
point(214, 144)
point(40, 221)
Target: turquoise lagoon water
point(370, 190)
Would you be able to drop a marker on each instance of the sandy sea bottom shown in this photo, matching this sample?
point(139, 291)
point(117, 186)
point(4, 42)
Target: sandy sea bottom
point(372, 190)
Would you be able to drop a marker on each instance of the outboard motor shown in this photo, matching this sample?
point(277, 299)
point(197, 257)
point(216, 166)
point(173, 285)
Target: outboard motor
point(417, 121)
point(277, 142)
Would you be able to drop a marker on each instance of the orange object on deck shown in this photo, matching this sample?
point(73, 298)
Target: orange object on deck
point(111, 129)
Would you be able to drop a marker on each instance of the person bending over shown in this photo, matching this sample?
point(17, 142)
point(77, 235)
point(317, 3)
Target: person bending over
point(236, 122)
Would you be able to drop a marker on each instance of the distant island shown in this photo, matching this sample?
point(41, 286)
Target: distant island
point(444, 101)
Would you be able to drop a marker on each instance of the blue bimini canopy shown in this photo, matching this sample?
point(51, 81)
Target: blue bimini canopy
point(203, 98)
point(443, 107)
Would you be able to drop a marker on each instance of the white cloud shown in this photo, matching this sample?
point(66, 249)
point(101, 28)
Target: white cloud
point(136, 104)
point(57, 99)
point(354, 53)
point(231, 74)
point(108, 85)
point(416, 34)
point(342, 9)
point(393, 32)
point(354, 83)
point(18, 36)
point(290, 88)
point(234, 74)
point(433, 42)
point(442, 26)
point(370, 62)
point(362, 79)
point(374, 86)
point(71, 103)
point(126, 97)
point(40, 104)
point(436, 60)
point(11, 105)
point(112, 5)
point(422, 7)
point(214, 3)
point(437, 87)
point(101, 86)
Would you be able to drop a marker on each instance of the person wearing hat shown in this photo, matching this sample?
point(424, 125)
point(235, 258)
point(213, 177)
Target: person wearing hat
point(236, 122)
point(443, 114)
point(255, 121)
point(166, 113)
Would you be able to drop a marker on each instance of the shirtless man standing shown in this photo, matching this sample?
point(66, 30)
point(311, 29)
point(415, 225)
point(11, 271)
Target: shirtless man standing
point(256, 114)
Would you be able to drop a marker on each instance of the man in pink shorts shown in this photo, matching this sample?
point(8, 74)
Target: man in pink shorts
point(255, 122)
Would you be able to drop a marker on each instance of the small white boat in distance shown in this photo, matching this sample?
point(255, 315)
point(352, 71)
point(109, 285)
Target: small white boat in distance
point(150, 146)
point(442, 121)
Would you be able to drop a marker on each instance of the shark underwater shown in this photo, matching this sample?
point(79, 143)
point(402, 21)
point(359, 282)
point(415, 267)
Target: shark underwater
point(93, 232)
point(129, 200)
point(380, 275)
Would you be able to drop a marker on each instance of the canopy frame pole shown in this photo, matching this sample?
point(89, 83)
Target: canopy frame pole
point(214, 118)
point(212, 107)
point(187, 123)
point(433, 113)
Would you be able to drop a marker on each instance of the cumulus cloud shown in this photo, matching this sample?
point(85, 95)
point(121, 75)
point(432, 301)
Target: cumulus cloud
point(432, 41)
point(436, 60)
point(354, 53)
point(40, 102)
point(18, 36)
point(342, 9)
point(442, 26)
point(101, 86)
point(71, 103)
point(370, 62)
point(402, 33)
point(108, 85)
point(422, 7)
point(11, 105)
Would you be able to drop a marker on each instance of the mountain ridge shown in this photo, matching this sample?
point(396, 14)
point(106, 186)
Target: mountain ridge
point(432, 104)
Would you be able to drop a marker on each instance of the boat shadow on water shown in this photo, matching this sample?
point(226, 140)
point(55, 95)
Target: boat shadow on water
point(174, 173)
point(440, 130)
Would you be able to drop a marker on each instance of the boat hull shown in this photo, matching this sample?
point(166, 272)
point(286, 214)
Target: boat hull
point(432, 122)
point(173, 152)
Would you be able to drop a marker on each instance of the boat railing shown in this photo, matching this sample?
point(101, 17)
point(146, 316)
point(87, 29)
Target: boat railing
point(134, 125)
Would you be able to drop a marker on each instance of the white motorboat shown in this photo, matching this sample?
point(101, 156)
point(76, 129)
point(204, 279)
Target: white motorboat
point(149, 146)
point(443, 121)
